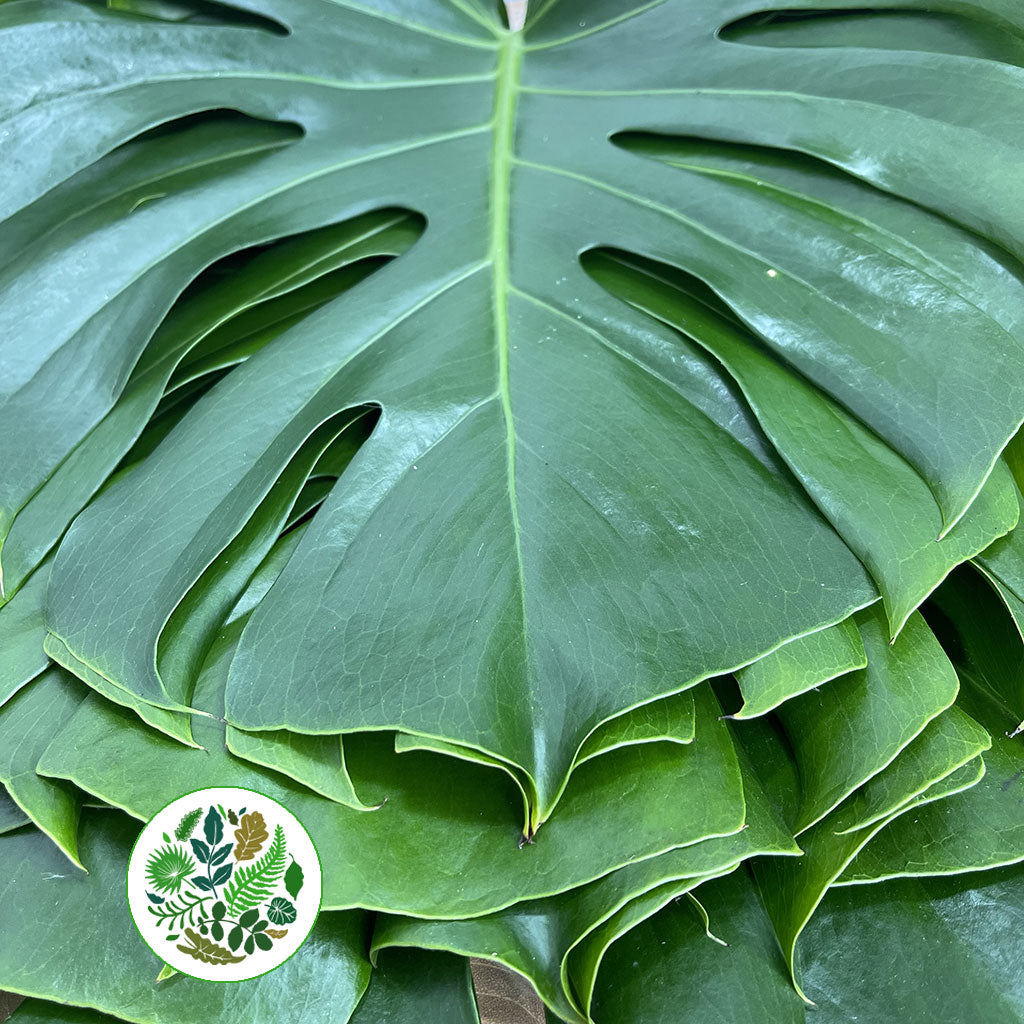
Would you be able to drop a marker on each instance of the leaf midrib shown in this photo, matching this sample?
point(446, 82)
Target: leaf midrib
point(502, 161)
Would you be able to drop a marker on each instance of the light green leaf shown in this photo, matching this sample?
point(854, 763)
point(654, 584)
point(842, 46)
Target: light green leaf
point(558, 943)
point(27, 724)
point(799, 666)
point(792, 890)
point(316, 761)
point(858, 724)
point(444, 843)
point(982, 827)
point(669, 720)
point(948, 743)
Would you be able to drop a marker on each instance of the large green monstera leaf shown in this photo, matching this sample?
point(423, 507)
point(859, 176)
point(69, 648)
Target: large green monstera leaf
point(561, 513)
point(567, 452)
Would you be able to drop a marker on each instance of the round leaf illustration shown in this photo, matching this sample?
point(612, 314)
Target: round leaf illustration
point(281, 911)
point(168, 867)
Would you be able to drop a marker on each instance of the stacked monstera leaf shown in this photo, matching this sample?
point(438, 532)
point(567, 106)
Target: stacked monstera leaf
point(571, 466)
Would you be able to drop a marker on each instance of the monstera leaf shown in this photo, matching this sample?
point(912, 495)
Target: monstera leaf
point(569, 453)
point(565, 509)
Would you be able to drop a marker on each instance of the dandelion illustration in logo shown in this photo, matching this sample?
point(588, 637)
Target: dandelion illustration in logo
point(168, 867)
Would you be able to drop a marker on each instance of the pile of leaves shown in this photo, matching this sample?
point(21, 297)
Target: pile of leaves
point(571, 466)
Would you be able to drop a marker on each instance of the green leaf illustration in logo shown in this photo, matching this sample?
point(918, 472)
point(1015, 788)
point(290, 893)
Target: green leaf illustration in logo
point(222, 874)
point(213, 826)
point(293, 878)
point(207, 950)
point(281, 911)
point(219, 855)
point(174, 912)
point(188, 824)
point(254, 882)
point(168, 867)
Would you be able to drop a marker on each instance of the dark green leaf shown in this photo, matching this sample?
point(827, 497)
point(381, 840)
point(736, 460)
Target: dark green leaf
point(221, 853)
point(293, 878)
point(859, 959)
point(222, 874)
point(213, 827)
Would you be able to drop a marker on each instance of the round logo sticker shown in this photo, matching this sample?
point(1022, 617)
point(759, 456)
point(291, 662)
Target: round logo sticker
point(224, 884)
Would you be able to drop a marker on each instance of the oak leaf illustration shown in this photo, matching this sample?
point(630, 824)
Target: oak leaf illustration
point(207, 950)
point(251, 835)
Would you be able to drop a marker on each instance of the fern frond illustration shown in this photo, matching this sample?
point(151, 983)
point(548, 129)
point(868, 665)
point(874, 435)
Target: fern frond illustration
point(207, 951)
point(254, 883)
point(187, 825)
point(168, 867)
point(175, 912)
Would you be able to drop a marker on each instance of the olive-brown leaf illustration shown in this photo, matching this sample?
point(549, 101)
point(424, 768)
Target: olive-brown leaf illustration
point(277, 933)
point(207, 950)
point(251, 835)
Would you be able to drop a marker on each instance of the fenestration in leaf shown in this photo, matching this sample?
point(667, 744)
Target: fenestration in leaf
point(565, 510)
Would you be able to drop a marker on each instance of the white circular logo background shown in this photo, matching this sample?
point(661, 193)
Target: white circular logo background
point(224, 884)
